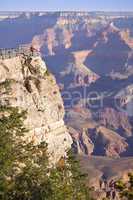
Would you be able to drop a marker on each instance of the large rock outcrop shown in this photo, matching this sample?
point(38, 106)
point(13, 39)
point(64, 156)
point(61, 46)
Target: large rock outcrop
point(26, 83)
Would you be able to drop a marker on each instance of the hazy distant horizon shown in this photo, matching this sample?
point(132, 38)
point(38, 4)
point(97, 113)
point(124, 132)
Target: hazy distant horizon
point(69, 5)
point(89, 11)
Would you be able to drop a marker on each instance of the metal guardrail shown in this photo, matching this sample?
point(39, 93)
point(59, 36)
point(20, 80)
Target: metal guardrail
point(11, 52)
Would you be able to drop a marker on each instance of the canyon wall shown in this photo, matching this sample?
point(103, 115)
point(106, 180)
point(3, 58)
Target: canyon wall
point(26, 83)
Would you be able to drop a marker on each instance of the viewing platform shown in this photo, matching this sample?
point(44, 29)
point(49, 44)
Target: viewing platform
point(23, 50)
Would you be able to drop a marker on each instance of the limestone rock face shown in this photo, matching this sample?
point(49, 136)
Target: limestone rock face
point(34, 89)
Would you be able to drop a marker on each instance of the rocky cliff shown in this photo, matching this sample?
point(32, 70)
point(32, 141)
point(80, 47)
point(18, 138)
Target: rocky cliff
point(26, 83)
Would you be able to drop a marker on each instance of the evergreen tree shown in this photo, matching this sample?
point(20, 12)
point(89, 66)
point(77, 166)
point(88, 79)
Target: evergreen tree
point(25, 173)
point(68, 183)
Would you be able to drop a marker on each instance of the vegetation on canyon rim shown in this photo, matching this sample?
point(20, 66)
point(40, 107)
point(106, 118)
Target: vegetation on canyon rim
point(126, 189)
point(24, 167)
